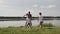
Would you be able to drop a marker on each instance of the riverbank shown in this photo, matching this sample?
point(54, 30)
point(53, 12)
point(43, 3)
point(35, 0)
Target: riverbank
point(34, 30)
point(47, 29)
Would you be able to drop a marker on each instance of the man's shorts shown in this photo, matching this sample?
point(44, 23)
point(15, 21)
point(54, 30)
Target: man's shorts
point(28, 23)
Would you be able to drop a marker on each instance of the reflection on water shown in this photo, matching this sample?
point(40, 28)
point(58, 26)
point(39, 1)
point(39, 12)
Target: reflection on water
point(22, 23)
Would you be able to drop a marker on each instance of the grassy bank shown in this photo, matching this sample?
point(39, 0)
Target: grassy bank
point(47, 29)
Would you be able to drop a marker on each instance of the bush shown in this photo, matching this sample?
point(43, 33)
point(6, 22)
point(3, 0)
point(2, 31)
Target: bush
point(48, 25)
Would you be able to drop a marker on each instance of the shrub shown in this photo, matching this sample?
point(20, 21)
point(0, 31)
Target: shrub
point(48, 25)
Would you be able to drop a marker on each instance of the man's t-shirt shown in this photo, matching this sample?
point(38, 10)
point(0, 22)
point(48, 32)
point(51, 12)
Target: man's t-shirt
point(28, 20)
point(29, 16)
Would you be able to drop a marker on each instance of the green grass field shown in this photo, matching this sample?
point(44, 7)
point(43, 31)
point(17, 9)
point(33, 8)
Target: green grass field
point(47, 29)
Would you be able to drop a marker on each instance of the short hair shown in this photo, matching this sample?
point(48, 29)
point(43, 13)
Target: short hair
point(40, 13)
point(29, 12)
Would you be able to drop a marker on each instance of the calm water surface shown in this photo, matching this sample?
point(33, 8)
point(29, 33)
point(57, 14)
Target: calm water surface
point(22, 23)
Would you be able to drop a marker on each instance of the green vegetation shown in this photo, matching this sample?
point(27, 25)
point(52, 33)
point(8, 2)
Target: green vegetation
point(47, 29)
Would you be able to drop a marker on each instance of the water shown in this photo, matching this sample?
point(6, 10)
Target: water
point(22, 23)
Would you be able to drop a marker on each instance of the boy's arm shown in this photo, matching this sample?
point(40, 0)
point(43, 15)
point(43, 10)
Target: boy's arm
point(38, 19)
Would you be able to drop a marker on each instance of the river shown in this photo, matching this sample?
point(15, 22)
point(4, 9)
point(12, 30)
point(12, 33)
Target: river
point(22, 23)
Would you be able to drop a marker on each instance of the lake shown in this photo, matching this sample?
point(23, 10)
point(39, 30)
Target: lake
point(22, 23)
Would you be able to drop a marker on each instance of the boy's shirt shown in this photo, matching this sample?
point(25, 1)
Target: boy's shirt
point(40, 18)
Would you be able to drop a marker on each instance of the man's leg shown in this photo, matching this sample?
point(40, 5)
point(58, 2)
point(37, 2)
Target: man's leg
point(30, 25)
point(26, 24)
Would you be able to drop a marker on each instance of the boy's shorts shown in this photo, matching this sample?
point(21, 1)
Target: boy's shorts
point(41, 22)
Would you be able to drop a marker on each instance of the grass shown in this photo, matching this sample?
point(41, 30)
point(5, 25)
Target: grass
point(47, 29)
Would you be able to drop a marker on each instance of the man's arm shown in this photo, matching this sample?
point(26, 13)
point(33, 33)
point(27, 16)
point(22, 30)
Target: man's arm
point(31, 16)
point(24, 15)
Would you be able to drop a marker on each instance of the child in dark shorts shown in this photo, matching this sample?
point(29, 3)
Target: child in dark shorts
point(40, 20)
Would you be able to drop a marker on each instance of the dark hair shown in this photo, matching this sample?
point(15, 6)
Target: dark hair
point(40, 13)
point(29, 12)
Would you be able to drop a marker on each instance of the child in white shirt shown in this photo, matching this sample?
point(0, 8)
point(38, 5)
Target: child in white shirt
point(40, 19)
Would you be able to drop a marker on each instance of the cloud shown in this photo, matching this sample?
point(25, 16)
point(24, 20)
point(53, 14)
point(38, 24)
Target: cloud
point(51, 6)
point(35, 5)
point(42, 6)
point(1, 1)
point(3, 4)
point(20, 7)
point(49, 0)
point(48, 6)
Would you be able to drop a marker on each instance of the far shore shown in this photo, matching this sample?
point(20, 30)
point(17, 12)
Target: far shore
point(23, 18)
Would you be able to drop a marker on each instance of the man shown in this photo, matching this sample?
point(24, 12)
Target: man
point(28, 19)
point(40, 19)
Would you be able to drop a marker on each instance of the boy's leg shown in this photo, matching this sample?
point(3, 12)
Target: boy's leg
point(41, 24)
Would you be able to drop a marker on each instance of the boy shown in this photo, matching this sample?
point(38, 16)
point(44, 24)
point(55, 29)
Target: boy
point(40, 19)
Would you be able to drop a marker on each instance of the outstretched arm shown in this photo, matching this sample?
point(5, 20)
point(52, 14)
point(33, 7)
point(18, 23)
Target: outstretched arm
point(38, 19)
point(24, 15)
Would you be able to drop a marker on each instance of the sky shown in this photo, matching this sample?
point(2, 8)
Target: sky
point(21, 7)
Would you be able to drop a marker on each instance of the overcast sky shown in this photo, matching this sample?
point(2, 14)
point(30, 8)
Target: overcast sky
point(21, 7)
